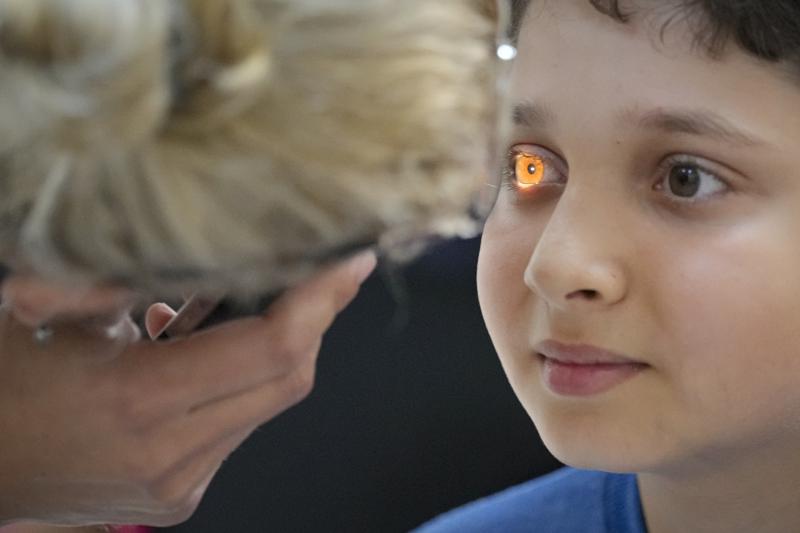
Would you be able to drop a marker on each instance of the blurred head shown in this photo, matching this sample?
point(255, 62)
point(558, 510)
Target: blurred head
point(638, 273)
point(231, 144)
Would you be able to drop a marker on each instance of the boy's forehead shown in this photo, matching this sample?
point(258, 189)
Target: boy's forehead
point(580, 21)
point(568, 47)
point(573, 57)
point(669, 28)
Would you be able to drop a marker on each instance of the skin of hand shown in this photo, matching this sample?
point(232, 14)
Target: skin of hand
point(34, 527)
point(102, 427)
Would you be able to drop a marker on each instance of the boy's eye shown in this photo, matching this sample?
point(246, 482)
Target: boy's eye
point(529, 170)
point(688, 181)
point(685, 181)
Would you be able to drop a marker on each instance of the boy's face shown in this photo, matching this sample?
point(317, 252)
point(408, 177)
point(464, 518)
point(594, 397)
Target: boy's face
point(666, 229)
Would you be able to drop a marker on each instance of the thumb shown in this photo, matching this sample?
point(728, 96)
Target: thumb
point(157, 317)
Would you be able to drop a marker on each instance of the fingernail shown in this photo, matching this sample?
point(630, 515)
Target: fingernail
point(363, 265)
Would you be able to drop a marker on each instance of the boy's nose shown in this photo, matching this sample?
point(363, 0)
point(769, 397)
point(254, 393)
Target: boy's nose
point(579, 262)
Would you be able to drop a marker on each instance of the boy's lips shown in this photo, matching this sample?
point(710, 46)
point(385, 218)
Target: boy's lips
point(583, 369)
point(580, 354)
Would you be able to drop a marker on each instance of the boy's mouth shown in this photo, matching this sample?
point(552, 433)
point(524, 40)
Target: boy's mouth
point(582, 369)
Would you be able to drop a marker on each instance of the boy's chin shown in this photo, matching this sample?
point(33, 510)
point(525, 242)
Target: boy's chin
point(600, 462)
point(601, 449)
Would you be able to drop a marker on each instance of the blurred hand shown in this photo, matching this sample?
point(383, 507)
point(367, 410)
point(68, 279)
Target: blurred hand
point(100, 427)
point(100, 310)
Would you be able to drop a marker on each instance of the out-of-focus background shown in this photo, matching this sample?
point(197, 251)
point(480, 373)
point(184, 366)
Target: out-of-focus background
point(411, 416)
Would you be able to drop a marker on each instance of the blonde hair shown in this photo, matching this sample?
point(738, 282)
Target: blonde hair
point(225, 144)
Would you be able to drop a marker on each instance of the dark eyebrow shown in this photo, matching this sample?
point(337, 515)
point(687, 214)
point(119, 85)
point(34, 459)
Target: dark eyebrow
point(675, 121)
point(692, 122)
point(532, 115)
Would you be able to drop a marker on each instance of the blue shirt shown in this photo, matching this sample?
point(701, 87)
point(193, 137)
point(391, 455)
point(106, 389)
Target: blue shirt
point(566, 501)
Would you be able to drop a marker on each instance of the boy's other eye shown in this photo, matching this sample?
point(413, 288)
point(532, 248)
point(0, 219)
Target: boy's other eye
point(686, 180)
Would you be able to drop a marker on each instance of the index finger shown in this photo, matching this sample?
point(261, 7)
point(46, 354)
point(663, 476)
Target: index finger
point(241, 354)
point(34, 301)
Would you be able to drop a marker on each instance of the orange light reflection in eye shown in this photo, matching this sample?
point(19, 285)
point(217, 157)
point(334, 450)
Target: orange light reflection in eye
point(529, 170)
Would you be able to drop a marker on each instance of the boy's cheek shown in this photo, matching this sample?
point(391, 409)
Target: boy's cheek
point(504, 255)
point(504, 298)
point(728, 322)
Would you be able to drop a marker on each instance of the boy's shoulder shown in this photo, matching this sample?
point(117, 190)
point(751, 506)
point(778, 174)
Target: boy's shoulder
point(566, 501)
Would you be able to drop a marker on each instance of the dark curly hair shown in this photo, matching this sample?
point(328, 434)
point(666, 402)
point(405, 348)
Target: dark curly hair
point(767, 29)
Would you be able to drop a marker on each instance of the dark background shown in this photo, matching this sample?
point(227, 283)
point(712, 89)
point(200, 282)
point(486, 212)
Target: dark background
point(411, 416)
